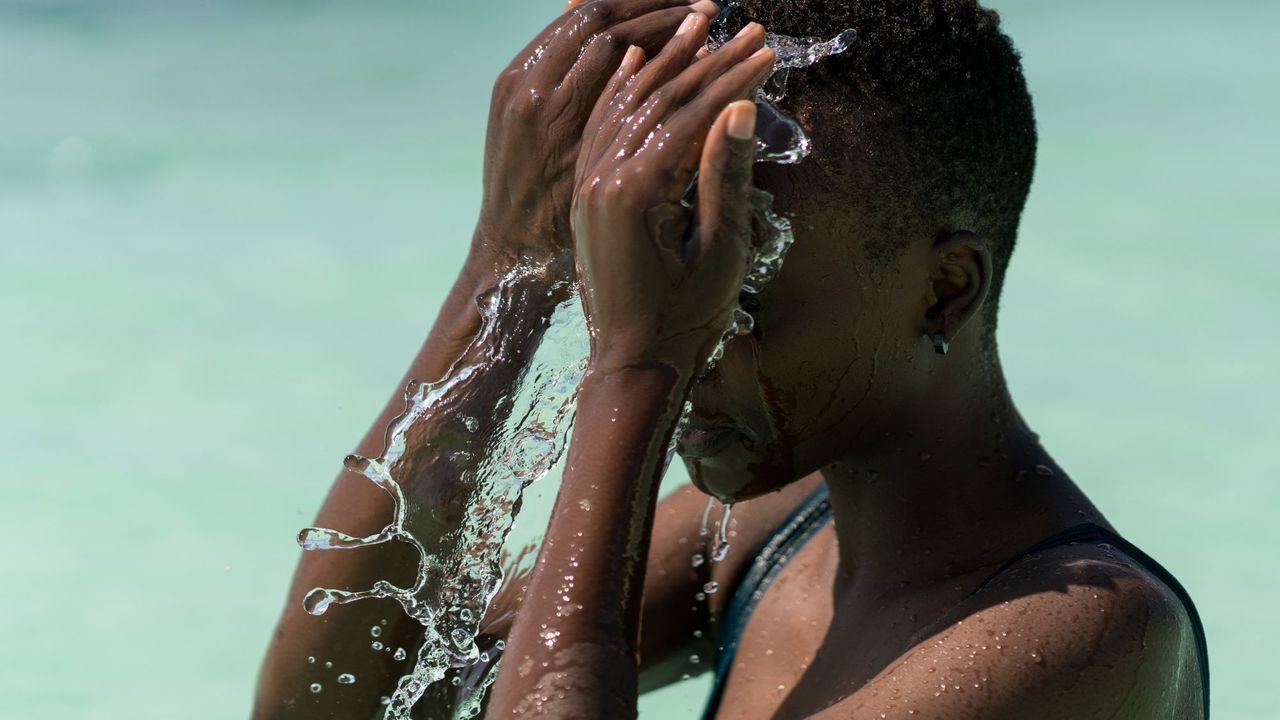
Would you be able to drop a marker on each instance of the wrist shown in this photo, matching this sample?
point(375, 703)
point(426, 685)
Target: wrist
point(685, 355)
point(505, 243)
point(635, 403)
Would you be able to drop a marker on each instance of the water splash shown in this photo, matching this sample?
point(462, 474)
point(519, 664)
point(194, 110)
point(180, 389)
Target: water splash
point(482, 473)
point(721, 549)
point(484, 468)
point(779, 138)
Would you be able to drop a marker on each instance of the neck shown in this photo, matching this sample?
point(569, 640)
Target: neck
point(963, 487)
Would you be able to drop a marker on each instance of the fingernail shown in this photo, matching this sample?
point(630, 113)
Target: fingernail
point(633, 55)
point(742, 120)
point(690, 21)
point(706, 7)
point(746, 29)
point(761, 53)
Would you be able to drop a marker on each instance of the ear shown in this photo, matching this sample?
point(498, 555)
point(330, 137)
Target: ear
point(959, 281)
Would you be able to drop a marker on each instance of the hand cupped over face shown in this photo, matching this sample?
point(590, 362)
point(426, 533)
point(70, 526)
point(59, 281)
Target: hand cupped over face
point(660, 279)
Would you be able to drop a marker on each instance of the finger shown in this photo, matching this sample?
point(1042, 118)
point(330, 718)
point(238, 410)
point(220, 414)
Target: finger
point(696, 77)
point(632, 114)
point(653, 30)
point(690, 121)
point(593, 138)
point(560, 45)
point(724, 182)
point(584, 83)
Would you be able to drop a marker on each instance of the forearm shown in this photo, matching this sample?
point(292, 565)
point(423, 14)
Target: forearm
point(578, 629)
point(358, 507)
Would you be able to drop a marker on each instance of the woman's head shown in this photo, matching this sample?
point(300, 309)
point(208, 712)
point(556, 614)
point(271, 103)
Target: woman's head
point(905, 217)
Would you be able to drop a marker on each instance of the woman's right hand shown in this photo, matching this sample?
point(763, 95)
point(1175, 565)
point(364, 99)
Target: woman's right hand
point(539, 108)
point(660, 279)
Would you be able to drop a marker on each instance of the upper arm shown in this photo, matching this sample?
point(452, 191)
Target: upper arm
point(1056, 637)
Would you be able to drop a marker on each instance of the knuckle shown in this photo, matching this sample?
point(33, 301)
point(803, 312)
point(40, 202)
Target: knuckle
point(607, 43)
point(526, 105)
point(507, 81)
point(601, 11)
point(620, 195)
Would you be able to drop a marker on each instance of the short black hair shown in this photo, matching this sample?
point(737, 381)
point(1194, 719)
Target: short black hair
point(931, 101)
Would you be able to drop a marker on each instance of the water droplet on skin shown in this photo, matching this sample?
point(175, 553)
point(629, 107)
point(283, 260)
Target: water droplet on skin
point(346, 679)
point(711, 587)
point(698, 560)
point(501, 644)
point(720, 552)
point(317, 601)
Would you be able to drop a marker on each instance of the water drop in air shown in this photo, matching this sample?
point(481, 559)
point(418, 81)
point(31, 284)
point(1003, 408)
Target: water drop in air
point(316, 687)
point(346, 679)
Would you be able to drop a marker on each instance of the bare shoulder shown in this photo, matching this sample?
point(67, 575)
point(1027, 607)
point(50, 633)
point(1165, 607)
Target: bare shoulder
point(1079, 631)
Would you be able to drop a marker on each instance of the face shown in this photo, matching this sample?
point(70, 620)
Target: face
point(831, 362)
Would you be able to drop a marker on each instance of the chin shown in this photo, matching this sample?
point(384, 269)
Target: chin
point(734, 473)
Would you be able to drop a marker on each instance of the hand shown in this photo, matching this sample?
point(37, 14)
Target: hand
point(660, 280)
point(539, 107)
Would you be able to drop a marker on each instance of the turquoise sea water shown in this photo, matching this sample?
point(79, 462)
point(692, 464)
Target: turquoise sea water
point(226, 226)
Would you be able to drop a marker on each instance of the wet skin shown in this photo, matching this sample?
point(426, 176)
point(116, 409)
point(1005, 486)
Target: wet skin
point(934, 478)
point(931, 471)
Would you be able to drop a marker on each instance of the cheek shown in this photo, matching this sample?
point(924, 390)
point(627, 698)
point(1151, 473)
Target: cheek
point(823, 353)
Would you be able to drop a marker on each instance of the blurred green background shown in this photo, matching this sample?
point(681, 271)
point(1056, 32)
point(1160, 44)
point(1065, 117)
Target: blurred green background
point(226, 226)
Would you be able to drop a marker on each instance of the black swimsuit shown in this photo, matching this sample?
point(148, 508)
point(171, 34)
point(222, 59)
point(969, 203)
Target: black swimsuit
point(814, 514)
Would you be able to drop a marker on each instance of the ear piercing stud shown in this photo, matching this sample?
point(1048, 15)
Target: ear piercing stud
point(940, 344)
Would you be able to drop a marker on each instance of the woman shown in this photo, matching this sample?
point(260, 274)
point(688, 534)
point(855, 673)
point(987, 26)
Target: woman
point(919, 553)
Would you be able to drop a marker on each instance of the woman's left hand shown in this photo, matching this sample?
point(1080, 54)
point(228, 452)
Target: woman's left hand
point(660, 280)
